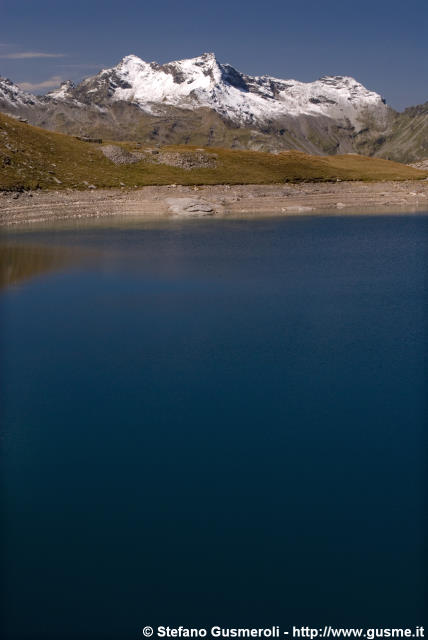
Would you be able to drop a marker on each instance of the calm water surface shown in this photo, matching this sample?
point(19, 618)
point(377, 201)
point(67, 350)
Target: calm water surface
point(215, 422)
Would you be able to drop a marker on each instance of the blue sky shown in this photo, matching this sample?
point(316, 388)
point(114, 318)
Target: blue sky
point(384, 44)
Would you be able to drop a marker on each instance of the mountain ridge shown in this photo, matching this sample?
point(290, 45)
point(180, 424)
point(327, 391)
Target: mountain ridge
point(202, 101)
point(204, 82)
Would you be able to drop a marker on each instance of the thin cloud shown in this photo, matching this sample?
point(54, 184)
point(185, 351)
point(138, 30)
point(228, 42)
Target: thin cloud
point(52, 82)
point(26, 55)
point(80, 66)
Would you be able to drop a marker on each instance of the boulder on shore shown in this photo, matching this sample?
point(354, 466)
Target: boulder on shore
point(190, 207)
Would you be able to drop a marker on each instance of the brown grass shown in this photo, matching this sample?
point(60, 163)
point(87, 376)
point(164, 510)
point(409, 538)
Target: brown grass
point(32, 158)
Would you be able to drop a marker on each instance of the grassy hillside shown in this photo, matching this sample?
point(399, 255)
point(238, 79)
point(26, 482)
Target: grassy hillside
point(33, 158)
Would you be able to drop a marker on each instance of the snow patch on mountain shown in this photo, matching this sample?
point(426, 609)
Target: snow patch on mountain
point(64, 92)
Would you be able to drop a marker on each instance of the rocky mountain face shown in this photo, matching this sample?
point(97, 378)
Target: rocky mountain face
point(408, 139)
point(201, 101)
point(14, 98)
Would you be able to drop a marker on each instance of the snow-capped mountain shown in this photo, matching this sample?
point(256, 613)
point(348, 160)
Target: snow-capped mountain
point(201, 101)
point(14, 97)
point(204, 82)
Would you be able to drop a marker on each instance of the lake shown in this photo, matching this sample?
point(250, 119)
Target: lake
point(213, 422)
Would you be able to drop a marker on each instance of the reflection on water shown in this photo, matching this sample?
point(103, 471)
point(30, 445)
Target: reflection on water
point(24, 261)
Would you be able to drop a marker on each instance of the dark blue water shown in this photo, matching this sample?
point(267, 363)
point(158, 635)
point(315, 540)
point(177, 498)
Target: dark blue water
point(216, 422)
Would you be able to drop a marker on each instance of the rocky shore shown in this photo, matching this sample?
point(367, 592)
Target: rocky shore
point(219, 200)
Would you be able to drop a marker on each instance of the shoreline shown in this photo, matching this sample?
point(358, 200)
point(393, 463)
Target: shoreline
point(177, 201)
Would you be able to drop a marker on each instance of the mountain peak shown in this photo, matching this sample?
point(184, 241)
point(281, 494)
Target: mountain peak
point(206, 61)
point(132, 59)
point(209, 57)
